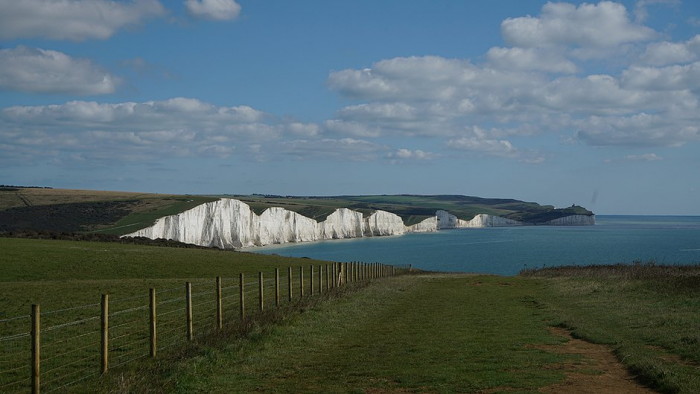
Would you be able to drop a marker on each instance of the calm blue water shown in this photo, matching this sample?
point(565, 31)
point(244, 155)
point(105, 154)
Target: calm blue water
point(505, 251)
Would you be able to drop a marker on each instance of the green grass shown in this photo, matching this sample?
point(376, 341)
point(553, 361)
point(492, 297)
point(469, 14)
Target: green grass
point(60, 274)
point(412, 207)
point(434, 333)
point(145, 217)
point(440, 333)
point(649, 314)
point(60, 210)
point(68, 278)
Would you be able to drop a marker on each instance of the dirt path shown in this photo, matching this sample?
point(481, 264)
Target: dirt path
point(598, 372)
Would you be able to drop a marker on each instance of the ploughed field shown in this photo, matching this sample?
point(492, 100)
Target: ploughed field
point(632, 326)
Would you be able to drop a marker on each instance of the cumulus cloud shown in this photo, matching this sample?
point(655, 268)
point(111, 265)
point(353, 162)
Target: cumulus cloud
point(664, 53)
point(44, 71)
point(530, 59)
point(638, 130)
point(337, 126)
point(75, 20)
point(436, 97)
point(219, 10)
point(342, 148)
point(668, 78)
point(426, 78)
point(485, 146)
point(303, 129)
point(601, 25)
point(134, 131)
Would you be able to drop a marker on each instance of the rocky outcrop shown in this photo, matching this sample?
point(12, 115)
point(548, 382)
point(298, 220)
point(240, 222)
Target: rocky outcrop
point(573, 220)
point(229, 223)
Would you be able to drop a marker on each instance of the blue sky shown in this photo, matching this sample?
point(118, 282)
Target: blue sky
point(594, 103)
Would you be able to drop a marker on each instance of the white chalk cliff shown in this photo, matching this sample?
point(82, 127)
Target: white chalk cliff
point(229, 223)
point(573, 220)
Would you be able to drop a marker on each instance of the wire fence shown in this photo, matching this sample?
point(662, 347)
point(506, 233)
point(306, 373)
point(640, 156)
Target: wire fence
point(51, 351)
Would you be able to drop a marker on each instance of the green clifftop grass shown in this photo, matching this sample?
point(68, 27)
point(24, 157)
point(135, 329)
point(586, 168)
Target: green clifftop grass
point(426, 333)
point(119, 213)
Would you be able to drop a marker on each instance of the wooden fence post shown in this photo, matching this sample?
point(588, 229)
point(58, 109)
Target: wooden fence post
point(188, 310)
point(261, 287)
point(241, 287)
point(104, 328)
point(311, 280)
point(301, 282)
point(334, 274)
point(320, 279)
point(219, 305)
point(328, 282)
point(289, 279)
point(277, 287)
point(36, 349)
point(154, 343)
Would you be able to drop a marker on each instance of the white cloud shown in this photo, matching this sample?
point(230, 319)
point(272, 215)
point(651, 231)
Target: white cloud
point(664, 53)
point(75, 20)
point(436, 97)
point(404, 155)
point(134, 131)
point(644, 157)
point(43, 71)
point(303, 129)
point(637, 130)
point(486, 146)
point(343, 148)
point(668, 78)
point(601, 25)
point(341, 127)
point(213, 9)
point(529, 59)
point(594, 94)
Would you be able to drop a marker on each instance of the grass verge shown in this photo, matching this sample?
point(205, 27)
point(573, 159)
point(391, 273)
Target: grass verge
point(648, 313)
point(441, 334)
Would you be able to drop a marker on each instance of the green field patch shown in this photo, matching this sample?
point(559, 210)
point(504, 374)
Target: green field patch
point(441, 334)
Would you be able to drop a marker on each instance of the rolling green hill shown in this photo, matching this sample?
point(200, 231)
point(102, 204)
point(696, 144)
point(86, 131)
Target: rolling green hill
point(118, 213)
point(415, 208)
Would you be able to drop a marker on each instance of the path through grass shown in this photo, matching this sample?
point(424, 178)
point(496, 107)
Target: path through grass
point(442, 334)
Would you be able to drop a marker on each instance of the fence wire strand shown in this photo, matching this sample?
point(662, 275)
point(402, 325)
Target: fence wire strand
point(71, 353)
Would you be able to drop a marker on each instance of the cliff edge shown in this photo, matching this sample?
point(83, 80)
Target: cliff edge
point(229, 223)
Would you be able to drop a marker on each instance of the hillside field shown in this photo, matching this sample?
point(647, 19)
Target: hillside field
point(119, 213)
point(426, 332)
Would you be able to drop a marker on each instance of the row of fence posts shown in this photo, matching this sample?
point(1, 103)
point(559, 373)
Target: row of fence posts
point(336, 275)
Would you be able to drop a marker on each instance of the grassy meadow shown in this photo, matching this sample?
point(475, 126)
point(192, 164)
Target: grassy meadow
point(425, 332)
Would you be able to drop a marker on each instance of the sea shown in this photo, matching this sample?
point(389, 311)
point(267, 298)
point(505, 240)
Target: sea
point(508, 250)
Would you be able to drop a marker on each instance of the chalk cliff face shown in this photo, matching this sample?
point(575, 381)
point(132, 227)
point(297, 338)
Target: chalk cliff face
point(483, 220)
point(229, 223)
point(426, 226)
point(382, 223)
point(573, 220)
point(446, 220)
